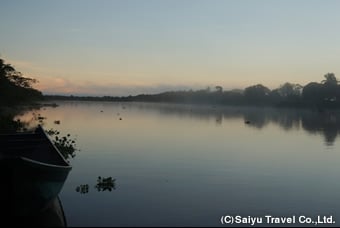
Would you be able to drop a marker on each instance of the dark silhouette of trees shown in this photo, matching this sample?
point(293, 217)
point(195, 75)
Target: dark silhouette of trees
point(313, 95)
point(290, 89)
point(219, 89)
point(14, 88)
point(288, 94)
point(330, 79)
point(323, 95)
point(257, 94)
point(330, 87)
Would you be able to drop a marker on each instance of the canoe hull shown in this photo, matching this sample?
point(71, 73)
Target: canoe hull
point(30, 185)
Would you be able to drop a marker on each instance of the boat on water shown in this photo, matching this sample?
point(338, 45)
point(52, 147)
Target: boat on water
point(32, 171)
point(52, 216)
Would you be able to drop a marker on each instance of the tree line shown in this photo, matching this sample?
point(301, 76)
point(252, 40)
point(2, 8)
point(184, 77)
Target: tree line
point(17, 89)
point(325, 94)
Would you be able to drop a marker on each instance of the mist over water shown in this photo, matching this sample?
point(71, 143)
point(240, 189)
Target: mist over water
point(186, 165)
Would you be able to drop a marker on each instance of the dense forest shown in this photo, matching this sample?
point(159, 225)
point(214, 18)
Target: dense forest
point(325, 94)
point(15, 88)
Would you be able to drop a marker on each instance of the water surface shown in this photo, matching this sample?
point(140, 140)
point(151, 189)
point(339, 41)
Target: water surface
point(184, 165)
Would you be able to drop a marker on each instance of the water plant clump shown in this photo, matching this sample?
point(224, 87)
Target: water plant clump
point(65, 144)
point(83, 188)
point(104, 184)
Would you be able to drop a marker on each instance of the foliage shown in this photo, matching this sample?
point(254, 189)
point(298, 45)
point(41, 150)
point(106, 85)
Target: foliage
point(65, 144)
point(323, 95)
point(256, 94)
point(83, 188)
point(20, 81)
point(330, 79)
point(320, 95)
point(104, 184)
point(290, 89)
point(8, 125)
point(14, 87)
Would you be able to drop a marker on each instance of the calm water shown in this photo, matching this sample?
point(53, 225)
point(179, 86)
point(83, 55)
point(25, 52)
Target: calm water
point(182, 165)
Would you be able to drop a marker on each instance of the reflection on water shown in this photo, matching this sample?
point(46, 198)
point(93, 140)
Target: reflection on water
point(52, 216)
point(185, 165)
point(30, 181)
point(326, 123)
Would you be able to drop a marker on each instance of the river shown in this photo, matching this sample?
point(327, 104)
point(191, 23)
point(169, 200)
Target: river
point(186, 165)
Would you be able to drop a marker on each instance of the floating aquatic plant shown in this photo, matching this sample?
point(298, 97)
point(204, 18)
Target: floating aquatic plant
point(65, 144)
point(83, 188)
point(104, 184)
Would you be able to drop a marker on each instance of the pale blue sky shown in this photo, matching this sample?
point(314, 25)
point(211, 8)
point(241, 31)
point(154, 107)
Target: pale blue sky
point(129, 47)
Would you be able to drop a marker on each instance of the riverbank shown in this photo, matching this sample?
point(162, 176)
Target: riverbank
point(9, 124)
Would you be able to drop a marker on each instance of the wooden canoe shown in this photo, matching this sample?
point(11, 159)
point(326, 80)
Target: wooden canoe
point(32, 170)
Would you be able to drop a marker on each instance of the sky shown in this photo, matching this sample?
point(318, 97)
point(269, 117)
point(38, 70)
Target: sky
point(128, 47)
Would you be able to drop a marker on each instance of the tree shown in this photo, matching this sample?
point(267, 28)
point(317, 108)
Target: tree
point(4, 71)
point(330, 80)
point(4, 68)
point(290, 89)
point(219, 89)
point(7, 72)
point(14, 88)
point(257, 93)
point(330, 88)
point(312, 93)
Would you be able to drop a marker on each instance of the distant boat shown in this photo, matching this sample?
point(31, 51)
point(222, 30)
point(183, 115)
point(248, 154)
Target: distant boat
point(32, 171)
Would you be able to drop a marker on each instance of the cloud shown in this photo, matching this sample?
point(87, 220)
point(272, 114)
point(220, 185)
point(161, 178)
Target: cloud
point(53, 83)
point(60, 85)
point(65, 82)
